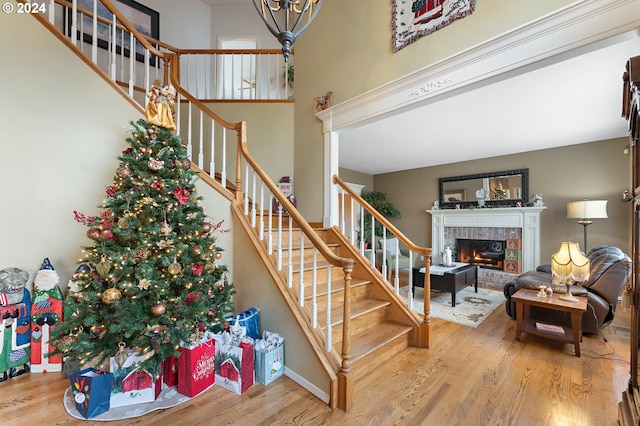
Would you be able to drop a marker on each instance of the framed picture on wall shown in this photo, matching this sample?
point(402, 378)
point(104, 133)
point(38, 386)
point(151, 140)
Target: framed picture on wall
point(144, 19)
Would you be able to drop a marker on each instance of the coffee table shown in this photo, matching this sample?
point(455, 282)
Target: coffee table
point(451, 280)
point(525, 298)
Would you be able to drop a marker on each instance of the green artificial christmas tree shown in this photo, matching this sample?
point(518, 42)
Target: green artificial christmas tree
point(150, 280)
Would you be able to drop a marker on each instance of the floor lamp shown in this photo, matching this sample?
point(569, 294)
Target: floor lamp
point(586, 210)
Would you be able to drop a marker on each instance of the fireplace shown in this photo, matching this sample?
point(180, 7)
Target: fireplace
point(485, 253)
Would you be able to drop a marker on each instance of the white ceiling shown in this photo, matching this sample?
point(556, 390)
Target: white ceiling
point(568, 100)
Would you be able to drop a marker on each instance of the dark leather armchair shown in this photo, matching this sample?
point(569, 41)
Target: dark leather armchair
point(610, 269)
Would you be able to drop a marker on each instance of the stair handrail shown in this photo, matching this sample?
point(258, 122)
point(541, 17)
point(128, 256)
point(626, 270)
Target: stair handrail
point(424, 251)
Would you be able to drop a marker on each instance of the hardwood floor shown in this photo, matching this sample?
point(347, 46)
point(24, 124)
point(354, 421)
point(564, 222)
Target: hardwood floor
point(480, 376)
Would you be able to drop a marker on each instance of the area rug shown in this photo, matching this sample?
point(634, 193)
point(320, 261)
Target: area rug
point(471, 308)
point(169, 397)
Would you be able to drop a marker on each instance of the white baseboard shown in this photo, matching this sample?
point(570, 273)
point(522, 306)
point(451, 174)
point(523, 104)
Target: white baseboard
point(316, 391)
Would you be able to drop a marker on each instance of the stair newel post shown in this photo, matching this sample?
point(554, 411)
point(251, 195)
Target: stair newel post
point(426, 323)
point(345, 376)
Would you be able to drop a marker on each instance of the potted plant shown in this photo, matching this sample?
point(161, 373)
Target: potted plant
point(377, 200)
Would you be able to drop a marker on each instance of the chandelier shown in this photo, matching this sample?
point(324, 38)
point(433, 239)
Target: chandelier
point(295, 17)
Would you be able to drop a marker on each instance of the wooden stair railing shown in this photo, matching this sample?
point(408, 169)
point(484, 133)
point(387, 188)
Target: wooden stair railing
point(351, 221)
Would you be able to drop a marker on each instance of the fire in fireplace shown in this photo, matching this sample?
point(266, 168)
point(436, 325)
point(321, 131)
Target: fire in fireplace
point(484, 253)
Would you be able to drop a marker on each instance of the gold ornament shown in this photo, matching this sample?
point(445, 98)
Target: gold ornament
point(206, 227)
point(166, 229)
point(121, 356)
point(158, 309)
point(104, 266)
point(218, 255)
point(94, 233)
point(174, 268)
point(123, 172)
point(111, 295)
point(123, 223)
point(186, 164)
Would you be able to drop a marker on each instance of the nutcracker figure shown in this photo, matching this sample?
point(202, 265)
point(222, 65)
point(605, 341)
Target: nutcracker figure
point(15, 325)
point(46, 312)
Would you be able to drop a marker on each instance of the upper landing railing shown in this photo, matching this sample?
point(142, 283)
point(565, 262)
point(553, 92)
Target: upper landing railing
point(208, 74)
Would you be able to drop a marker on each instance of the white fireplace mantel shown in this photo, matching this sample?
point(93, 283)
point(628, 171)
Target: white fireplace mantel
point(526, 218)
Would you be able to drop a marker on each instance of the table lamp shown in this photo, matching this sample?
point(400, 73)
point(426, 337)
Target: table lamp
point(569, 266)
point(586, 210)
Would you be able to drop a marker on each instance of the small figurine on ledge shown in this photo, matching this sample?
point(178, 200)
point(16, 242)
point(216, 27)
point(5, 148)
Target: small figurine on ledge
point(537, 201)
point(323, 102)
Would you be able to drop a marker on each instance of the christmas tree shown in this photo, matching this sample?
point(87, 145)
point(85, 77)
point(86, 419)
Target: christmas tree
point(150, 281)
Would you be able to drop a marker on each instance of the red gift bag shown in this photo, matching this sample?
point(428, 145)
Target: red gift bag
point(170, 371)
point(195, 368)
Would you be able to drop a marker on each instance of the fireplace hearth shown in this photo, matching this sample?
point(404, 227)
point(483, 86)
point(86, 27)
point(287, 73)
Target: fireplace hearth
point(484, 253)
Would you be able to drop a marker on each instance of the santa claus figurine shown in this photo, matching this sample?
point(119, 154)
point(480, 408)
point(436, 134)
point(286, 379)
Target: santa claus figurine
point(46, 313)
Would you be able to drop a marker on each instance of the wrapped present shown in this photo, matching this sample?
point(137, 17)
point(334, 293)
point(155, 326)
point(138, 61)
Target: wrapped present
point(234, 365)
point(170, 371)
point(131, 384)
point(195, 366)
point(91, 391)
point(269, 362)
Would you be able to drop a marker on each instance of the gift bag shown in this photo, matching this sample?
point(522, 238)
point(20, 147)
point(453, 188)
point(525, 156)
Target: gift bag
point(234, 365)
point(269, 358)
point(170, 371)
point(249, 320)
point(131, 384)
point(195, 366)
point(91, 391)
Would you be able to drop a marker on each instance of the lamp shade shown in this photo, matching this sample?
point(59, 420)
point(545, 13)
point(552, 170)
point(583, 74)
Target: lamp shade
point(587, 209)
point(569, 265)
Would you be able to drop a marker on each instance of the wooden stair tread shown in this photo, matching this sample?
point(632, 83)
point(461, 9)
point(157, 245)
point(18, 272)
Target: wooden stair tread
point(358, 307)
point(336, 286)
point(376, 337)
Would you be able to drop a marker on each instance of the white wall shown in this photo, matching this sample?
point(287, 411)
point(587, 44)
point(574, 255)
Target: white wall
point(62, 128)
point(185, 24)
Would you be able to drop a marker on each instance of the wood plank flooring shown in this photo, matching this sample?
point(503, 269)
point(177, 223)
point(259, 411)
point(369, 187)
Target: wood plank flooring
point(480, 376)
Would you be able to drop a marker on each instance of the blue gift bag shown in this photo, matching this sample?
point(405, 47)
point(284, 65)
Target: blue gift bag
point(91, 391)
point(269, 365)
point(249, 320)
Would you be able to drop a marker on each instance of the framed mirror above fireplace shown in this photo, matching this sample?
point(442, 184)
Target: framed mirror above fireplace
point(498, 189)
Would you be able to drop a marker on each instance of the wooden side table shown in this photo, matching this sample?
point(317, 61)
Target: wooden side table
point(525, 298)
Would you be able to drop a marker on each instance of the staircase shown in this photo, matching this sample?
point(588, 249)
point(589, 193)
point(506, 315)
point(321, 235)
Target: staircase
point(352, 317)
point(372, 326)
point(378, 324)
